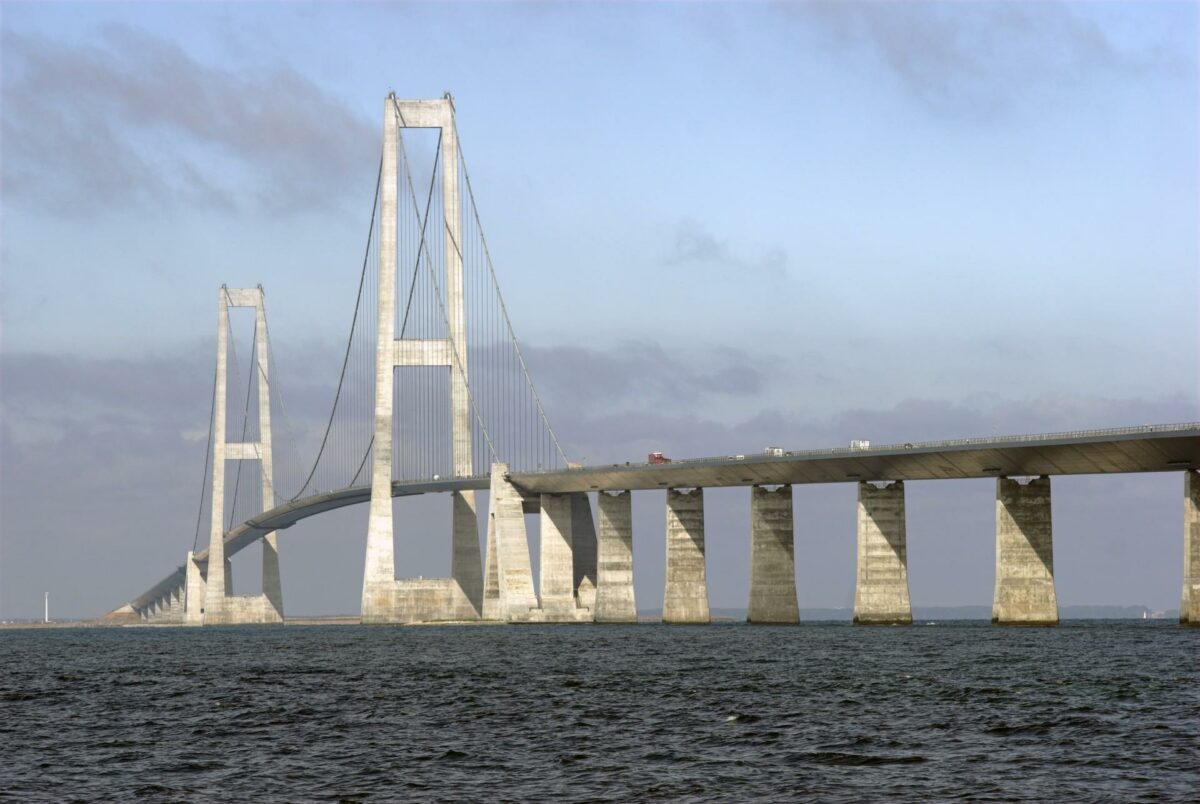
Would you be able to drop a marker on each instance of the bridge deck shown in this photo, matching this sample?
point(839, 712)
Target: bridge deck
point(1153, 448)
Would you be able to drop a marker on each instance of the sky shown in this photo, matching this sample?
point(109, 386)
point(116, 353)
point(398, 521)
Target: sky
point(717, 227)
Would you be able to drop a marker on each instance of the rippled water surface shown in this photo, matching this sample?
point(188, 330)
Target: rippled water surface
point(1086, 711)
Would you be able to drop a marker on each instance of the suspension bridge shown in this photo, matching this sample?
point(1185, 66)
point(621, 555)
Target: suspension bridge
point(434, 396)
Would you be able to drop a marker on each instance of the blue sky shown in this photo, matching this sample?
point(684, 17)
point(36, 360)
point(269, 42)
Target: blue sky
point(904, 221)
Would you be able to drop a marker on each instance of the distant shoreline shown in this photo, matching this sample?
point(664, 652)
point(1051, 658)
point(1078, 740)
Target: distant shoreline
point(719, 615)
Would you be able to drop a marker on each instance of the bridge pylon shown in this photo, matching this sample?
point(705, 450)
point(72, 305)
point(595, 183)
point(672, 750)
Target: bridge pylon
point(459, 597)
point(210, 599)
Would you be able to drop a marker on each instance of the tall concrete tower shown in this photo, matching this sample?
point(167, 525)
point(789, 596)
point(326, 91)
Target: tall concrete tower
point(219, 604)
point(461, 596)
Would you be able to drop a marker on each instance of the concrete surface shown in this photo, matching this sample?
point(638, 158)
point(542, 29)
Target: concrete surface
point(614, 576)
point(1153, 448)
point(384, 599)
point(583, 550)
point(1189, 607)
point(194, 591)
point(772, 558)
point(686, 597)
point(881, 589)
point(221, 607)
point(1025, 592)
point(556, 567)
point(508, 553)
point(466, 566)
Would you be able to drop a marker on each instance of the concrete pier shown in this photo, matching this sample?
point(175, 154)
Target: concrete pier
point(508, 579)
point(193, 592)
point(1024, 554)
point(1189, 606)
point(556, 564)
point(583, 550)
point(614, 549)
point(772, 558)
point(686, 597)
point(175, 606)
point(466, 566)
point(881, 590)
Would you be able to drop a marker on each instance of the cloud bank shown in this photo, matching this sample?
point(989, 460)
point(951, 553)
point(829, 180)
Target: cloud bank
point(976, 60)
point(130, 121)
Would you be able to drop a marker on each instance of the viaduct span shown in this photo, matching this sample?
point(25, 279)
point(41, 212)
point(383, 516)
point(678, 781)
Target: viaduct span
point(435, 397)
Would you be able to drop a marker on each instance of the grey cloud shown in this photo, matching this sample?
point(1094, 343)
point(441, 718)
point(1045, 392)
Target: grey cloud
point(617, 404)
point(696, 246)
point(606, 438)
point(973, 60)
point(132, 121)
point(575, 378)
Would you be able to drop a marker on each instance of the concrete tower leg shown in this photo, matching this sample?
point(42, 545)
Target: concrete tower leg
point(686, 596)
point(491, 576)
point(772, 558)
point(514, 574)
point(1189, 606)
point(215, 591)
point(272, 587)
point(1024, 554)
point(466, 570)
point(614, 577)
point(379, 572)
point(881, 591)
point(270, 603)
point(583, 550)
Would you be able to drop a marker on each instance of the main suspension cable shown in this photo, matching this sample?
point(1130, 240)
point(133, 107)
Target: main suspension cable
point(212, 410)
point(350, 340)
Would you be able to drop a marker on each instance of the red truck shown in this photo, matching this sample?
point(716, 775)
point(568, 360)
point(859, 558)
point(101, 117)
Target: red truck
point(657, 457)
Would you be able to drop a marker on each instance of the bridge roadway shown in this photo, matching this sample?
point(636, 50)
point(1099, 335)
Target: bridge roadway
point(1152, 448)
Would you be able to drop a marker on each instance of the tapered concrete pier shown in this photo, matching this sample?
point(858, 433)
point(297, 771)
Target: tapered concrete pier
point(584, 550)
point(508, 574)
point(686, 596)
point(1024, 554)
point(772, 558)
point(557, 566)
point(614, 574)
point(881, 591)
point(193, 592)
point(1189, 606)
